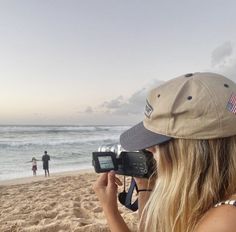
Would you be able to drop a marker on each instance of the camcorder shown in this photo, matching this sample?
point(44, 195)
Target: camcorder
point(128, 163)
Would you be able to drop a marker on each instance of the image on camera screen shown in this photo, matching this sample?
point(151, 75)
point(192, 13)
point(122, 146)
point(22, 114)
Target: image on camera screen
point(106, 162)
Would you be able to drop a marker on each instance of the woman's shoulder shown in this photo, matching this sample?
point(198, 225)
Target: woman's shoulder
point(219, 218)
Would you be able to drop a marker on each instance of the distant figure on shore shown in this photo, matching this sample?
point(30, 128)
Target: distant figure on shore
point(45, 159)
point(34, 165)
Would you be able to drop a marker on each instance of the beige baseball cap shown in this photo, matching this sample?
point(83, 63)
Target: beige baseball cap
point(192, 106)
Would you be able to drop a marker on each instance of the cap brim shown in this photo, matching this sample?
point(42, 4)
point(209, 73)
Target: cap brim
point(139, 138)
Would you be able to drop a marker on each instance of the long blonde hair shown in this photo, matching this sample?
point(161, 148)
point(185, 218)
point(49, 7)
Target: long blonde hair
point(193, 175)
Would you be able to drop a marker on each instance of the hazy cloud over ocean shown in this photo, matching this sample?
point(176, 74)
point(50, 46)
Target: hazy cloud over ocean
point(121, 106)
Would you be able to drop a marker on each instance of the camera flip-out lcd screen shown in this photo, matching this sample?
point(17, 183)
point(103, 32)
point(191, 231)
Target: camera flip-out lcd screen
point(105, 162)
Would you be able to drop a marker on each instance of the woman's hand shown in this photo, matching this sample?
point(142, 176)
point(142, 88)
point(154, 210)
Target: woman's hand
point(106, 190)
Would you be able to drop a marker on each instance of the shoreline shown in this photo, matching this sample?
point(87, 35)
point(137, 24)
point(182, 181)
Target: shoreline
point(53, 175)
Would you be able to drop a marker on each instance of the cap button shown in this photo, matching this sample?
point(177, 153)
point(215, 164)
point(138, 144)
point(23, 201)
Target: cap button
point(188, 75)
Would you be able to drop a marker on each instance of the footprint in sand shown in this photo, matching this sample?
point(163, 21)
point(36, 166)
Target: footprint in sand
point(76, 204)
point(77, 199)
point(97, 209)
point(53, 204)
point(51, 214)
point(47, 207)
point(88, 205)
point(84, 222)
point(80, 213)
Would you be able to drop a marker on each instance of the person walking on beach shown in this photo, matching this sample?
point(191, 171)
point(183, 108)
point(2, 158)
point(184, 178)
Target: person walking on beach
point(190, 128)
point(45, 159)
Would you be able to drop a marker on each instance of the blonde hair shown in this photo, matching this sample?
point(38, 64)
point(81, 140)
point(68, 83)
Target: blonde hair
point(193, 175)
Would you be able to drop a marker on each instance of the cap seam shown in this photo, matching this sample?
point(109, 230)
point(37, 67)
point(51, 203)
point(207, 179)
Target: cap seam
point(213, 100)
point(171, 108)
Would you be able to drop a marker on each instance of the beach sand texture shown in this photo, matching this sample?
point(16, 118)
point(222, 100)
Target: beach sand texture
point(61, 203)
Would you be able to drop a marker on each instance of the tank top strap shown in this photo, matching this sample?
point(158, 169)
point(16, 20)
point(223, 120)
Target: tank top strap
point(228, 202)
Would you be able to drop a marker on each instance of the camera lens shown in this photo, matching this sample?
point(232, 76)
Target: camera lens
point(116, 148)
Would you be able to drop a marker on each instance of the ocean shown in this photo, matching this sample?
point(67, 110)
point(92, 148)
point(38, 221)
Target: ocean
point(70, 147)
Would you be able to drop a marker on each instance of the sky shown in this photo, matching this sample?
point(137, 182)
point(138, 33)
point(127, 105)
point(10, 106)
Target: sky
point(91, 62)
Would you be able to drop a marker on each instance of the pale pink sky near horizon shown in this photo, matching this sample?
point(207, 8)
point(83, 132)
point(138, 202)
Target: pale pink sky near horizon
point(92, 62)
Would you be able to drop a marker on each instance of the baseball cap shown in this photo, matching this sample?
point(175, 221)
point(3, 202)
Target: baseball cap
point(191, 106)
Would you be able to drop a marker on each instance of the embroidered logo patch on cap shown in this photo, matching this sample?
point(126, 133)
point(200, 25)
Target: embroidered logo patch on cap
point(231, 106)
point(148, 109)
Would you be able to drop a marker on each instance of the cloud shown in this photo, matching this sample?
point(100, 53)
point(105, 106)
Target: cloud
point(113, 104)
point(134, 105)
point(221, 54)
point(120, 106)
point(224, 60)
point(89, 110)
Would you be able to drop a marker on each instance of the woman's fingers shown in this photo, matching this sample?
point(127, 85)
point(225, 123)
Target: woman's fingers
point(101, 182)
point(102, 179)
point(107, 180)
point(106, 190)
point(113, 179)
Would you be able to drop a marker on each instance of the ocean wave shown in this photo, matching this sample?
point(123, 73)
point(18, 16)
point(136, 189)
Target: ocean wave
point(39, 142)
point(67, 156)
point(57, 129)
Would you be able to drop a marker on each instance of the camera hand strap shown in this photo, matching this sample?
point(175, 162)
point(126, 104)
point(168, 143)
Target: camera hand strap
point(126, 198)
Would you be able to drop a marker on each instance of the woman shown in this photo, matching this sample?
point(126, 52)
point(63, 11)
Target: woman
point(190, 127)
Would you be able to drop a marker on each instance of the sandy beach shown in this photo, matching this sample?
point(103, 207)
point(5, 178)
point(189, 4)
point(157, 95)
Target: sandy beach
point(62, 202)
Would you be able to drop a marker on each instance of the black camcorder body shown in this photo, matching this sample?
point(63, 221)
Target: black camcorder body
point(136, 163)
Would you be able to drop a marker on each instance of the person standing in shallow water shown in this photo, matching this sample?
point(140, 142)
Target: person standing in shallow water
point(34, 165)
point(45, 159)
